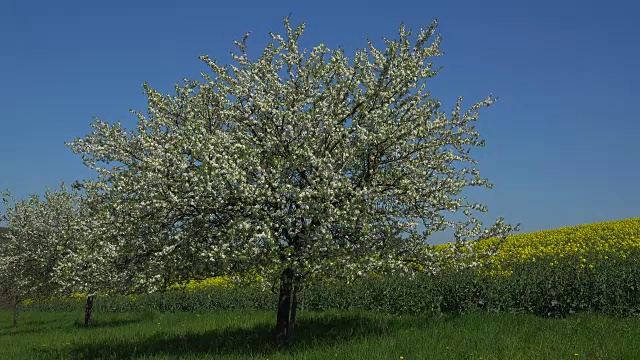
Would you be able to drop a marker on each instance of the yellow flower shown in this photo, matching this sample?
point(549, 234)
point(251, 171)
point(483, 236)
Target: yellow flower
point(600, 239)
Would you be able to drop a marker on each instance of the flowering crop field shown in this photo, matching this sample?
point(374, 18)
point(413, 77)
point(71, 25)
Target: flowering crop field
point(599, 240)
point(606, 237)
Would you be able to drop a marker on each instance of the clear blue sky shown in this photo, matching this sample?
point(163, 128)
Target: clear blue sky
point(563, 141)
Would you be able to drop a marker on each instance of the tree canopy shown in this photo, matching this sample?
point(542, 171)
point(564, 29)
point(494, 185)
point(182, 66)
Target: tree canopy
point(301, 162)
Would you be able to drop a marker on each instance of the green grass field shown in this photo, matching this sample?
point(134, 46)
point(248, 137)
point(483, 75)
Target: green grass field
point(246, 334)
point(326, 335)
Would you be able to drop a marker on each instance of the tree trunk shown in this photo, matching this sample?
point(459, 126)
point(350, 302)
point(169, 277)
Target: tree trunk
point(87, 311)
point(294, 308)
point(284, 307)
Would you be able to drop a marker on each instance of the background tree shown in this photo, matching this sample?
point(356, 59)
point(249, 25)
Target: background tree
point(63, 244)
point(89, 264)
point(114, 254)
point(299, 163)
point(40, 229)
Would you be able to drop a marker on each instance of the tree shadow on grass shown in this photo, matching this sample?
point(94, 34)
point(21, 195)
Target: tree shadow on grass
point(27, 326)
point(29, 322)
point(256, 340)
point(43, 326)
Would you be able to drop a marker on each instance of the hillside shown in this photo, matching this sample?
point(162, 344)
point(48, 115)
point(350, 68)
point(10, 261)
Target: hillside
point(600, 239)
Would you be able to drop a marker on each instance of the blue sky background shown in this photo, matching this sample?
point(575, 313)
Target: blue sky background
point(563, 141)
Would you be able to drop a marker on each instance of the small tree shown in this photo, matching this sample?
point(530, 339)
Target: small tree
point(59, 245)
point(39, 231)
point(86, 266)
point(300, 163)
point(113, 255)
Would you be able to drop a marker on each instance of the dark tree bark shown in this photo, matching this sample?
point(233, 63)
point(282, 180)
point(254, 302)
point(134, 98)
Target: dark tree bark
point(284, 307)
point(87, 311)
point(294, 308)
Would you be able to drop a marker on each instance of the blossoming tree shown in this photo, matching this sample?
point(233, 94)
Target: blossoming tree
point(91, 264)
point(112, 256)
point(60, 245)
point(299, 163)
point(40, 229)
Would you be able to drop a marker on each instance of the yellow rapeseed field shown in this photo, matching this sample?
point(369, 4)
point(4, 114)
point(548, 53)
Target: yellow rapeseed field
point(589, 240)
point(220, 281)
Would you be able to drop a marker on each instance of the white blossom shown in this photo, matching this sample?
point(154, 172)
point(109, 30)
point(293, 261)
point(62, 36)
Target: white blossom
point(305, 159)
point(41, 231)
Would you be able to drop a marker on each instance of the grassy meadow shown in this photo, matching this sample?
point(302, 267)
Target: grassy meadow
point(570, 293)
point(321, 335)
